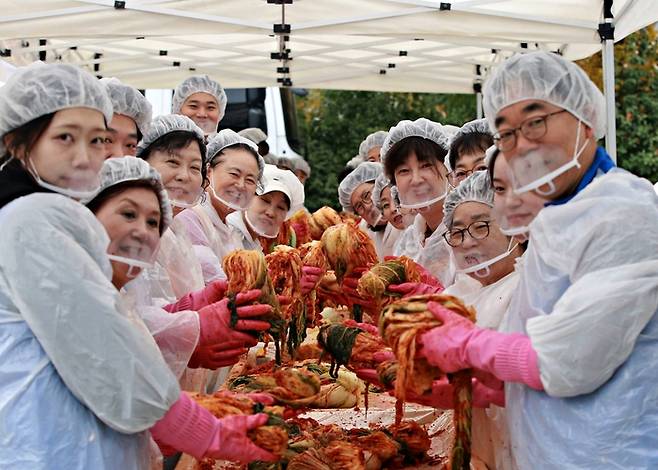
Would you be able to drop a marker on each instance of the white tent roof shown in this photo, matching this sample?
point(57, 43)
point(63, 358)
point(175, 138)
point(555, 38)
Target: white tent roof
point(384, 45)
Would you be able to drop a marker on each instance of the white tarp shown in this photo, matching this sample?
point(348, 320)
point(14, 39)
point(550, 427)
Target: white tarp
point(383, 45)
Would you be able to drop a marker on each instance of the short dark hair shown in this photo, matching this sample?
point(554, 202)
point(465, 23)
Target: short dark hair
point(177, 140)
point(492, 163)
point(110, 193)
point(26, 136)
point(425, 150)
point(469, 143)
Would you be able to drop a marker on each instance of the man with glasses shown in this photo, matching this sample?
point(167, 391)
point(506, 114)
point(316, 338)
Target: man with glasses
point(467, 148)
point(579, 352)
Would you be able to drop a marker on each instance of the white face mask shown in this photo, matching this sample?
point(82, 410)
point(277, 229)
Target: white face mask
point(262, 229)
point(536, 169)
point(82, 185)
point(482, 268)
point(425, 198)
point(232, 197)
point(184, 199)
point(137, 255)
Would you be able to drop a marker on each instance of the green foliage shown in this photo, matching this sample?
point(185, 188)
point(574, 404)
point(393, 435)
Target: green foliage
point(335, 122)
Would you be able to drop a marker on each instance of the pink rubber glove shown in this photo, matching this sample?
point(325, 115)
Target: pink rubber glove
point(425, 276)
point(349, 286)
point(442, 395)
point(414, 288)
point(310, 278)
point(213, 292)
point(189, 428)
point(367, 327)
point(458, 344)
point(370, 375)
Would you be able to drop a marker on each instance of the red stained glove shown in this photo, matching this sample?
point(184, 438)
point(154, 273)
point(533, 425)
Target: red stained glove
point(414, 288)
point(213, 292)
point(310, 278)
point(442, 395)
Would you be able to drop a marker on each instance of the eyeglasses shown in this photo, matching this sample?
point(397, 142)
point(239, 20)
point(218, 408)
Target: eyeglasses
point(532, 128)
point(477, 230)
point(364, 202)
point(457, 176)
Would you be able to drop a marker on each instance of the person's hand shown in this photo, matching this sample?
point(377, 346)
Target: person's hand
point(213, 292)
point(311, 276)
point(445, 345)
point(259, 397)
point(442, 395)
point(350, 284)
point(218, 355)
point(367, 327)
point(231, 442)
point(408, 289)
point(371, 375)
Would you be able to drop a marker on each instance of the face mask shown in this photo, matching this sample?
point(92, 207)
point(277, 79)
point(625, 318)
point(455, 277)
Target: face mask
point(533, 171)
point(260, 229)
point(184, 199)
point(137, 255)
point(482, 269)
point(233, 199)
point(420, 202)
point(83, 185)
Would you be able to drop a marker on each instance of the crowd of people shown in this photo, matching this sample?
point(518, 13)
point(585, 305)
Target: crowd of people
point(113, 300)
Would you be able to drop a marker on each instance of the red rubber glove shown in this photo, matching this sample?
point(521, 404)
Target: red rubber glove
point(370, 375)
point(219, 344)
point(310, 278)
point(442, 395)
point(458, 344)
point(189, 428)
point(349, 286)
point(213, 292)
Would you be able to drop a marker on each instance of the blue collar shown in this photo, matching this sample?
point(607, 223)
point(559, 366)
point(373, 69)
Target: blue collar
point(602, 162)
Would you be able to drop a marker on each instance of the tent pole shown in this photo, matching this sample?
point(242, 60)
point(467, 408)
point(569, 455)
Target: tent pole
point(607, 33)
point(478, 105)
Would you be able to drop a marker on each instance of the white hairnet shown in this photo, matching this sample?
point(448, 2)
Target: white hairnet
point(122, 169)
point(421, 127)
point(302, 165)
point(381, 183)
point(547, 77)
point(163, 125)
point(478, 125)
point(450, 129)
point(475, 188)
point(199, 84)
point(364, 173)
point(226, 138)
point(40, 89)
point(270, 159)
point(395, 196)
point(489, 155)
point(376, 139)
point(354, 162)
point(276, 179)
point(254, 134)
point(130, 102)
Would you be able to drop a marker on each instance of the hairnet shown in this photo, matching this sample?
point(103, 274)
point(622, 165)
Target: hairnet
point(122, 169)
point(354, 162)
point(40, 89)
point(163, 125)
point(364, 173)
point(489, 155)
point(421, 127)
point(302, 165)
point(130, 102)
point(226, 138)
point(381, 183)
point(199, 84)
point(276, 179)
point(475, 188)
point(270, 159)
point(478, 125)
point(547, 77)
point(254, 134)
point(376, 139)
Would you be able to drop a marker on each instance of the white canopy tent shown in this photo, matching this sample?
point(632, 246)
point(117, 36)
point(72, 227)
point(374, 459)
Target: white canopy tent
point(381, 45)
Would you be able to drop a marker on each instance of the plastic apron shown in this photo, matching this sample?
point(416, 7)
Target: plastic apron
point(490, 439)
point(433, 253)
point(614, 426)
